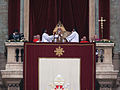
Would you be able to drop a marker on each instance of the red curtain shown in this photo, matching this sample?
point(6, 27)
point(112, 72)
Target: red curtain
point(13, 15)
point(47, 13)
point(104, 11)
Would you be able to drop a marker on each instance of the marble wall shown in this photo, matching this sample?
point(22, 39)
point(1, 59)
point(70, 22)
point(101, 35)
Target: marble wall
point(115, 23)
point(3, 23)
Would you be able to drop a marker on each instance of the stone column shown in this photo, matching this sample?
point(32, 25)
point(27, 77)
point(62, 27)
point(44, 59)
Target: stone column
point(116, 61)
point(3, 24)
point(97, 18)
point(91, 18)
point(26, 19)
point(21, 16)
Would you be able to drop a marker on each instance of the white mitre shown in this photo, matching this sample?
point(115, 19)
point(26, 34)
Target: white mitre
point(59, 80)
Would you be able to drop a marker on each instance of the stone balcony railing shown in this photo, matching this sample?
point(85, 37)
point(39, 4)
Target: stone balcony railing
point(13, 72)
point(105, 73)
point(104, 57)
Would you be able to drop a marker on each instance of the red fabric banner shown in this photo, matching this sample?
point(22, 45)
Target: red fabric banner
point(75, 50)
point(104, 11)
point(13, 15)
point(47, 13)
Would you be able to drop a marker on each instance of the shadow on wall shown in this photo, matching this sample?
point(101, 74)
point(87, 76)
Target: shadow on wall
point(21, 84)
point(97, 85)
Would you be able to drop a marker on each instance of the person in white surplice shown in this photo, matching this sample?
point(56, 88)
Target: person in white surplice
point(74, 37)
point(46, 37)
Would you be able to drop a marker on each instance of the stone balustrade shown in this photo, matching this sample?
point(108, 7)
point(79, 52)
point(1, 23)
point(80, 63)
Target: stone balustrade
point(15, 52)
point(13, 72)
point(105, 73)
point(104, 56)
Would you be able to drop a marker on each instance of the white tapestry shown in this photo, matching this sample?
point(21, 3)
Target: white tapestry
point(59, 73)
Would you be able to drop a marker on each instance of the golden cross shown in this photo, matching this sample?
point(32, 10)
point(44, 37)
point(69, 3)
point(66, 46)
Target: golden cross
point(101, 24)
point(102, 21)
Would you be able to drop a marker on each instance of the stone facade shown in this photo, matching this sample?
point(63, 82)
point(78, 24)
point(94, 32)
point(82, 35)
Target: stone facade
point(114, 36)
point(105, 73)
point(3, 23)
point(3, 35)
point(115, 23)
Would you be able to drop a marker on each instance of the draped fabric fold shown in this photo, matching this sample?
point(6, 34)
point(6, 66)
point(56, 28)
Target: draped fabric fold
point(13, 15)
point(33, 52)
point(47, 13)
point(42, 15)
point(104, 11)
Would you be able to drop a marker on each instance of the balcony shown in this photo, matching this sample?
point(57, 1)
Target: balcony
point(13, 72)
point(105, 73)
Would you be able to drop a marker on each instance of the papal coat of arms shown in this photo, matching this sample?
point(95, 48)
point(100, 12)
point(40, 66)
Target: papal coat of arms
point(59, 84)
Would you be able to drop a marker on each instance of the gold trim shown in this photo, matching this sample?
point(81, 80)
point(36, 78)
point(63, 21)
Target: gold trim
point(93, 66)
point(25, 66)
point(71, 44)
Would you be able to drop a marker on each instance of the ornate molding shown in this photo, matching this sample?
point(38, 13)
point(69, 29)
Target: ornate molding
point(14, 44)
point(11, 74)
point(13, 85)
point(118, 82)
point(106, 83)
point(3, 7)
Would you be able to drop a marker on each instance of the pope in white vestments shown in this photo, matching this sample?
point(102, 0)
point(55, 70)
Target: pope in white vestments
point(74, 37)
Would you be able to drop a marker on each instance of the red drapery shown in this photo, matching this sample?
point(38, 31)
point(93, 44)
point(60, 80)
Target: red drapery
point(47, 13)
point(35, 51)
point(104, 11)
point(13, 15)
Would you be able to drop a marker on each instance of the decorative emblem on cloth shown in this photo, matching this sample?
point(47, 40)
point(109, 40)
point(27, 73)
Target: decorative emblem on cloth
point(59, 51)
point(59, 83)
